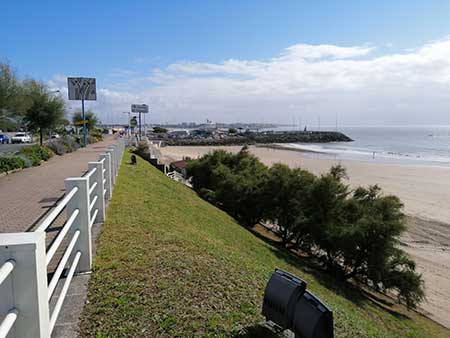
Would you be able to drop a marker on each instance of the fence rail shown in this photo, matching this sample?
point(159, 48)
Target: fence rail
point(25, 292)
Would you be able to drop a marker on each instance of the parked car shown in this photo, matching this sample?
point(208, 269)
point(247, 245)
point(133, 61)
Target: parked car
point(21, 138)
point(54, 135)
point(4, 139)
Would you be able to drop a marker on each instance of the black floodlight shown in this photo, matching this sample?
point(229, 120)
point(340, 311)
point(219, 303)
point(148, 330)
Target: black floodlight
point(280, 298)
point(312, 318)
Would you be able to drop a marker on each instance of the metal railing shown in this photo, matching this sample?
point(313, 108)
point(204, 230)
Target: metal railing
point(176, 176)
point(25, 292)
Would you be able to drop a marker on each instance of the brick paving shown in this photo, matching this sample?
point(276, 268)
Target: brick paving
point(27, 196)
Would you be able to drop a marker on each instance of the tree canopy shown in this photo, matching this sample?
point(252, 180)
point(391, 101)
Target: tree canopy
point(26, 104)
point(12, 100)
point(159, 130)
point(46, 111)
point(355, 233)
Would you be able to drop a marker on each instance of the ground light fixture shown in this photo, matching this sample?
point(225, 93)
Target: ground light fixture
point(288, 306)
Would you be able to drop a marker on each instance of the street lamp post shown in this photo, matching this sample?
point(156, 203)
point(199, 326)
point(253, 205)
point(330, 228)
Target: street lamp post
point(82, 113)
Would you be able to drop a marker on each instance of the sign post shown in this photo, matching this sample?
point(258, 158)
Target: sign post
point(82, 88)
point(139, 108)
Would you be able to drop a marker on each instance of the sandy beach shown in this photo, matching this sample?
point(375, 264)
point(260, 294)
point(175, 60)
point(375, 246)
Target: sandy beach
point(424, 190)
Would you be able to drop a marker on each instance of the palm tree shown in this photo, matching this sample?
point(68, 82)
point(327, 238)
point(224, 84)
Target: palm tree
point(92, 120)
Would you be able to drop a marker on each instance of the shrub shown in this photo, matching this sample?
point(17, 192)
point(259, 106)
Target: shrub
point(235, 183)
point(8, 163)
point(30, 152)
point(46, 153)
point(36, 154)
point(69, 143)
point(57, 147)
point(97, 135)
point(90, 139)
point(142, 149)
point(26, 160)
point(63, 145)
point(159, 130)
point(356, 233)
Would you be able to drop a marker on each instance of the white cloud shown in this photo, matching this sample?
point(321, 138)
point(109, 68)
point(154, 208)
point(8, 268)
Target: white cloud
point(306, 80)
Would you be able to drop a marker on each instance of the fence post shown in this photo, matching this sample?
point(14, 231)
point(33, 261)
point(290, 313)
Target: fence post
point(107, 167)
point(98, 191)
point(110, 150)
point(121, 151)
point(116, 157)
point(81, 202)
point(25, 289)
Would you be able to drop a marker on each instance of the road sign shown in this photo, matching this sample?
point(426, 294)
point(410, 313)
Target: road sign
point(82, 88)
point(133, 122)
point(139, 108)
point(79, 123)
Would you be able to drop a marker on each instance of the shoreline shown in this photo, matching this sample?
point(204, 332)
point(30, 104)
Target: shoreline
point(424, 190)
point(407, 161)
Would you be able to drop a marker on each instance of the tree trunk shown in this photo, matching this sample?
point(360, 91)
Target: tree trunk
point(351, 274)
point(329, 260)
point(41, 136)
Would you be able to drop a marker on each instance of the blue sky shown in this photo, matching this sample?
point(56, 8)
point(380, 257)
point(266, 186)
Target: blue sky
point(125, 43)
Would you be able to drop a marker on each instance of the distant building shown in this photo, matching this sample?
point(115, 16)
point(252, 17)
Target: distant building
point(180, 166)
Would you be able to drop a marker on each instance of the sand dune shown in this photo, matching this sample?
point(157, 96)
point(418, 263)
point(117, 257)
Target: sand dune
point(425, 192)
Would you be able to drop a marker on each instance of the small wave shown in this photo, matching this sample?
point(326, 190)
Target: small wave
point(360, 153)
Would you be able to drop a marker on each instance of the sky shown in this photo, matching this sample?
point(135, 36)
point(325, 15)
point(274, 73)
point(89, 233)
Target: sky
point(359, 62)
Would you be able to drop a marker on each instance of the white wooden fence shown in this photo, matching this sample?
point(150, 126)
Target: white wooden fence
point(24, 289)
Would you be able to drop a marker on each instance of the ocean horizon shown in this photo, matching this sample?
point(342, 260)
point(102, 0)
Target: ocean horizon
point(414, 144)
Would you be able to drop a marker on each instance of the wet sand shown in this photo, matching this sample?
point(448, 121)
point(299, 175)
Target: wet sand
point(424, 190)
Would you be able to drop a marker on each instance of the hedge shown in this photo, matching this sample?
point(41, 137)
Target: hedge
point(8, 163)
point(63, 145)
point(36, 154)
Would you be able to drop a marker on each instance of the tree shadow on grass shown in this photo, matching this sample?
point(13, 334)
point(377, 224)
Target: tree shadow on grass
point(345, 289)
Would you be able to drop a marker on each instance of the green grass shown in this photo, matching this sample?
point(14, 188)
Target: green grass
point(171, 265)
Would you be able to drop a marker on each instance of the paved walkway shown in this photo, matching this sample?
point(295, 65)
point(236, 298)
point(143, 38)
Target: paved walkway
point(26, 196)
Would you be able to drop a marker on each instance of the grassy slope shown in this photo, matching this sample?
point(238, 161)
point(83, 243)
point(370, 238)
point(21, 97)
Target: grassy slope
point(171, 265)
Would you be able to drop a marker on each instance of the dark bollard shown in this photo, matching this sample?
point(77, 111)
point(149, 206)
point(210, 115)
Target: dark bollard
point(312, 318)
point(288, 305)
point(133, 160)
point(280, 297)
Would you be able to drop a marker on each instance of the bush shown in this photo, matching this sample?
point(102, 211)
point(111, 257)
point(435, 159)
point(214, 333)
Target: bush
point(8, 163)
point(142, 149)
point(97, 135)
point(57, 147)
point(69, 143)
point(355, 233)
point(32, 155)
point(90, 139)
point(36, 154)
point(235, 183)
point(27, 162)
point(63, 145)
point(160, 130)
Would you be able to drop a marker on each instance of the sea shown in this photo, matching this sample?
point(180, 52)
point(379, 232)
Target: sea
point(398, 144)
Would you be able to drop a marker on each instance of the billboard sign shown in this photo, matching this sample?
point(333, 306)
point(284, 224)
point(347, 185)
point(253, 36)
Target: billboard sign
point(139, 108)
point(82, 88)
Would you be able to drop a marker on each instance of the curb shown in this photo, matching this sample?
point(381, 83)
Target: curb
point(10, 172)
